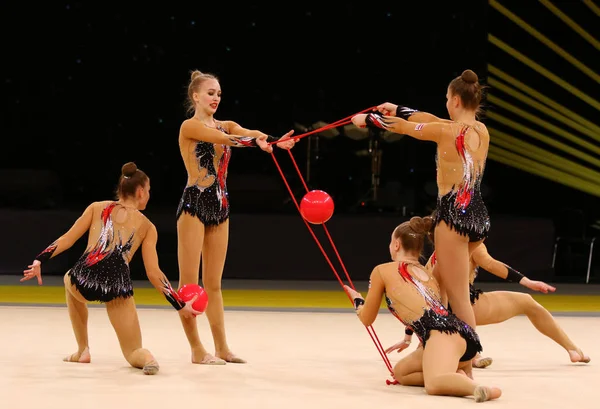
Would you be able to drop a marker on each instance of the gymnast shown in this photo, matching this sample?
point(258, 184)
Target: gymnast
point(203, 212)
point(462, 221)
point(498, 306)
point(116, 229)
point(413, 296)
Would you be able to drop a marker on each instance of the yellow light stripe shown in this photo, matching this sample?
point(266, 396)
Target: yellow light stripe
point(569, 21)
point(592, 6)
point(538, 68)
point(497, 85)
point(542, 98)
point(149, 297)
point(543, 138)
point(534, 152)
point(511, 159)
point(544, 124)
point(545, 40)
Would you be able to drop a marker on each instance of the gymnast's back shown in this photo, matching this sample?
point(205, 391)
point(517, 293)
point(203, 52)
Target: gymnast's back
point(410, 289)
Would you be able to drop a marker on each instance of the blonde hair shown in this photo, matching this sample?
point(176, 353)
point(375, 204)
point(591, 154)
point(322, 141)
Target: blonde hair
point(196, 80)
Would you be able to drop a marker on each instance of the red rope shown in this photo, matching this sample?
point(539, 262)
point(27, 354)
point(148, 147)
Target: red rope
point(341, 122)
point(370, 328)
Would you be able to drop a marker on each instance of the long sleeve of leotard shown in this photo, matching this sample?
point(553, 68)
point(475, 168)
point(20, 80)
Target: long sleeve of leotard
point(155, 275)
point(66, 241)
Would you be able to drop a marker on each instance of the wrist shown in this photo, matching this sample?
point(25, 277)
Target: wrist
point(358, 302)
point(374, 120)
point(404, 112)
point(172, 296)
point(513, 275)
point(46, 254)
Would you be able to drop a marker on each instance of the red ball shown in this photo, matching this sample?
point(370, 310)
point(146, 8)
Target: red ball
point(188, 291)
point(316, 207)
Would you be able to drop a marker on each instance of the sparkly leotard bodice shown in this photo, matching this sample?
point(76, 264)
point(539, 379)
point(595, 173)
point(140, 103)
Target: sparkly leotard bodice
point(102, 272)
point(206, 195)
point(413, 296)
point(409, 297)
point(459, 176)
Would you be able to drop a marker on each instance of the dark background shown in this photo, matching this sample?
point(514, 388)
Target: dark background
point(88, 86)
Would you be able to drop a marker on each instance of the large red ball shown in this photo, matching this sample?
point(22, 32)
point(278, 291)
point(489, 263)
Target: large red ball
point(316, 207)
point(188, 291)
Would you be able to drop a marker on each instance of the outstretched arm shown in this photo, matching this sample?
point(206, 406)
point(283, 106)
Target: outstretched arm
point(482, 258)
point(63, 243)
point(432, 131)
point(158, 279)
point(285, 141)
point(409, 114)
point(197, 131)
point(367, 309)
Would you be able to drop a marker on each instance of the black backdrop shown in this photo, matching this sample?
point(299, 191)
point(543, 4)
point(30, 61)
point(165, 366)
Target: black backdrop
point(88, 86)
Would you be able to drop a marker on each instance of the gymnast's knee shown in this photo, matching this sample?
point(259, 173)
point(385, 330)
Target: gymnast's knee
point(528, 304)
point(435, 387)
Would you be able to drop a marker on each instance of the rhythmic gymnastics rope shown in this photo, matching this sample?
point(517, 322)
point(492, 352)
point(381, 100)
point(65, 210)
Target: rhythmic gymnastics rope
point(370, 329)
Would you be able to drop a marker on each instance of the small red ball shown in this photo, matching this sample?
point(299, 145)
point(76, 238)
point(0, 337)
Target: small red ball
point(316, 207)
point(188, 291)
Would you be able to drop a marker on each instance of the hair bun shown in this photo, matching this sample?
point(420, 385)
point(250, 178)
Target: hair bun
point(196, 74)
point(469, 77)
point(129, 169)
point(421, 225)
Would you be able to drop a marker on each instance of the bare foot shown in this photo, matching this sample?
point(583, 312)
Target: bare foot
point(485, 393)
point(230, 357)
point(83, 357)
point(481, 363)
point(151, 368)
point(578, 356)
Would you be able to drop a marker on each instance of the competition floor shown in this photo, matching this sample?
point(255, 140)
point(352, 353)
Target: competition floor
point(304, 345)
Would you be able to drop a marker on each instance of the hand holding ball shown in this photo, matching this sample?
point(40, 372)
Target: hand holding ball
point(188, 291)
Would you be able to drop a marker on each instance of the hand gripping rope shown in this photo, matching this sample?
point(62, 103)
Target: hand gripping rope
point(370, 329)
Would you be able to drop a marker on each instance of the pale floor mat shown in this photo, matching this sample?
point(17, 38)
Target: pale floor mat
point(298, 360)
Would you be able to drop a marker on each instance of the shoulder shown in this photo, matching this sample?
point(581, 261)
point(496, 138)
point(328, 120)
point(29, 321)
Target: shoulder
point(151, 228)
point(100, 204)
point(189, 124)
point(480, 128)
point(145, 221)
point(228, 125)
point(392, 265)
point(148, 230)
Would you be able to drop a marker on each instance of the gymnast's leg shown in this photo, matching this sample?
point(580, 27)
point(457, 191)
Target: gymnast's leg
point(78, 313)
point(441, 361)
point(409, 370)
point(498, 306)
point(216, 240)
point(452, 252)
point(124, 319)
point(190, 239)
